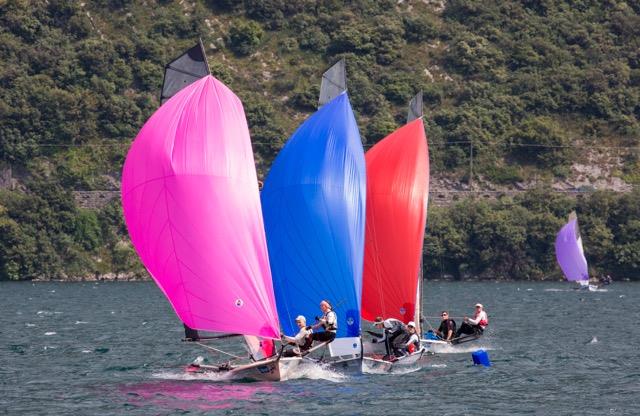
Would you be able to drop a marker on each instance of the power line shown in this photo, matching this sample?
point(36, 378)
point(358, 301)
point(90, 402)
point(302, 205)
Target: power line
point(433, 144)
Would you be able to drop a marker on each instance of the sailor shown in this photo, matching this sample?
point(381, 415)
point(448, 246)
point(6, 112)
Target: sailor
point(328, 322)
point(447, 329)
point(605, 280)
point(412, 344)
point(301, 342)
point(475, 325)
point(393, 328)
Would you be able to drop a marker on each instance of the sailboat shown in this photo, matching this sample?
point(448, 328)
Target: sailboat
point(192, 208)
point(397, 199)
point(570, 254)
point(313, 202)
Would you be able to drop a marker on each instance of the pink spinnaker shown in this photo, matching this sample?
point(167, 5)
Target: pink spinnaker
point(191, 203)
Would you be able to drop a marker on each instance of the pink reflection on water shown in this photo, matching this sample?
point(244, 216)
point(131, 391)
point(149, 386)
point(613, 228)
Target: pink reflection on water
point(192, 395)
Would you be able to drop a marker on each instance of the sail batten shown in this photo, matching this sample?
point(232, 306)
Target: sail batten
point(191, 205)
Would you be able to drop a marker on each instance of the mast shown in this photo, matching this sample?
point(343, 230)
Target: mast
point(415, 112)
point(184, 70)
point(334, 82)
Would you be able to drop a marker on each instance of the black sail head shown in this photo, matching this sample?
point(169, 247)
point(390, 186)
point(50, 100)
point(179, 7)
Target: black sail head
point(184, 70)
point(415, 108)
point(334, 82)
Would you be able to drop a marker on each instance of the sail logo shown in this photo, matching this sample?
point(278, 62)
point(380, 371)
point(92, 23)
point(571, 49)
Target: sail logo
point(239, 303)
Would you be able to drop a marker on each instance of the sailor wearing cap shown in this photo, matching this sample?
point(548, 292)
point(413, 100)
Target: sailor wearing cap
point(301, 342)
point(475, 325)
point(413, 343)
point(392, 329)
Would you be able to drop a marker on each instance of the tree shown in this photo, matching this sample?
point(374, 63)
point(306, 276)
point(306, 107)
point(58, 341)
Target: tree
point(245, 37)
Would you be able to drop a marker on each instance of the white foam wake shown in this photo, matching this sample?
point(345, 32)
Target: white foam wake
point(315, 371)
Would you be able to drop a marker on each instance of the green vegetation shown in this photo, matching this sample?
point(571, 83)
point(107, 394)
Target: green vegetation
point(513, 238)
point(526, 82)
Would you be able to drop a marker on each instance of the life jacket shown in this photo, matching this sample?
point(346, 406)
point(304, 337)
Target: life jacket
point(484, 322)
point(330, 327)
point(411, 348)
point(308, 342)
point(401, 340)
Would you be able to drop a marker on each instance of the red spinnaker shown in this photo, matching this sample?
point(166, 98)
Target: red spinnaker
point(397, 197)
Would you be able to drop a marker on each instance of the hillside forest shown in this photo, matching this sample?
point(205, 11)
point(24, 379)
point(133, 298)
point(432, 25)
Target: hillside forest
point(515, 92)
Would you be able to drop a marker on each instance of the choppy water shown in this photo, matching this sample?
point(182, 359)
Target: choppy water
point(114, 348)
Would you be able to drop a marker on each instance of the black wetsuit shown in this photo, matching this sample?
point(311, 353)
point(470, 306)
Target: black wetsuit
point(308, 341)
point(391, 334)
point(446, 326)
point(469, 329)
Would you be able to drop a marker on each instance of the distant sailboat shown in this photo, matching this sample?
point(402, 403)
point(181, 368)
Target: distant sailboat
point(397, 199)
point(570, 254)
point(313, 202)
point(191, 204)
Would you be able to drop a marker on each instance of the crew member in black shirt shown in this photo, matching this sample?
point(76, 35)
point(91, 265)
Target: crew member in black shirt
point(447, 329)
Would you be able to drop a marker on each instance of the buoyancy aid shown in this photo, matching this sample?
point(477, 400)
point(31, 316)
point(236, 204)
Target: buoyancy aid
point(330, 321)
point(308, 342)
point(484, 321)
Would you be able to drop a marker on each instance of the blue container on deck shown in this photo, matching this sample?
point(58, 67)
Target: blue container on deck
point(481, 357)
point(431, 336)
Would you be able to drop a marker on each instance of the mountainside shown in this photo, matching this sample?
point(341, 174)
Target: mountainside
point(519, 96)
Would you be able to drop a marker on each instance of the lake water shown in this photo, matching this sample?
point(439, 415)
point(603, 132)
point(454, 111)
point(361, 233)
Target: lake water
point(114, 348)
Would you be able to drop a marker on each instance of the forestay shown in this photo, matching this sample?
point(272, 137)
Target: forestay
point(191, 204)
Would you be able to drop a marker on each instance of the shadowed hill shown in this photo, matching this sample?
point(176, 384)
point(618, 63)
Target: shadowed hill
point(518, 95)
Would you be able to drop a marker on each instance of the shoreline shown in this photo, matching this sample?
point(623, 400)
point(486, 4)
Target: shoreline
point(111, 277)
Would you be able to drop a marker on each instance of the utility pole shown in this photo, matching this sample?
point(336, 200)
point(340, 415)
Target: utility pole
point(471, 166)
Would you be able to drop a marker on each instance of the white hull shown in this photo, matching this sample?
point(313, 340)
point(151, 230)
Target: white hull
point(444, 347)
point(375, 363)
point(279, 368)
point(345, 355)
point(271, 369)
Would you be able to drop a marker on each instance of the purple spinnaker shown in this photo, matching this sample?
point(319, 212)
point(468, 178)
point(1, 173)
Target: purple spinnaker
point(569, 252)
point(192, 207)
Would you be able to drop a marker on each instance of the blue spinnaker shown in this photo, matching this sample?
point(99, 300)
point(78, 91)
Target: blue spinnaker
point(313, 204)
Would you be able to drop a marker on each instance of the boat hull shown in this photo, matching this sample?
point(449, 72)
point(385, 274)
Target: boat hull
point(375, 363)
point(274, 369)
point(443, 347)
point(348, 366)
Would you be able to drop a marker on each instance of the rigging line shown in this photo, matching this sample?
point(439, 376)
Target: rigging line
point(429, 323)
point(220, 351)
